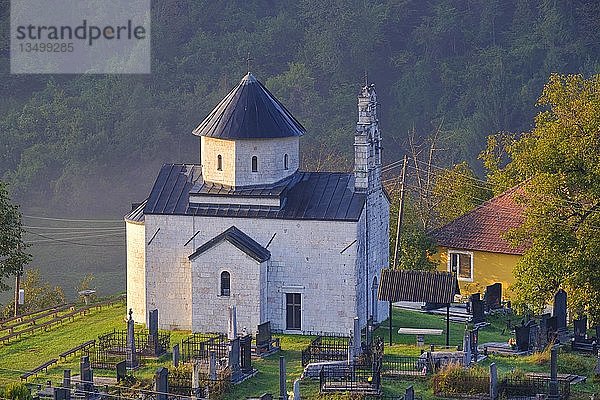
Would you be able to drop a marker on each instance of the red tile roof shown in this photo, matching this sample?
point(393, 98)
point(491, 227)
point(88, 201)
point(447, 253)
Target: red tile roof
point(483, 228)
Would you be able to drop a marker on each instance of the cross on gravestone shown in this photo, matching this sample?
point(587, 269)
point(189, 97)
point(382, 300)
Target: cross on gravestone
point(560, 309)
point(246, 353)
point(161, 383)
point(522, 336)
point(176, 355)
point(580, 328)
point(493, 296)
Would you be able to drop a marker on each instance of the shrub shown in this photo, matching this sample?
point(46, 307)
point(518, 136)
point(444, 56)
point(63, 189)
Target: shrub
point(17, 391)
point(455, 379)
point(572, 363)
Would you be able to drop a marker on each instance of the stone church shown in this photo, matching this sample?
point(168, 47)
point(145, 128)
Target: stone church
point(246, 227)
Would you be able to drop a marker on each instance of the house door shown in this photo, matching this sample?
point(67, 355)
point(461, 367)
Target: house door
point(293, 311)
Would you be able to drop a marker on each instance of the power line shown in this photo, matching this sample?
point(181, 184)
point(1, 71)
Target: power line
point(75, 220)
point(65, 240)
point(72, 228)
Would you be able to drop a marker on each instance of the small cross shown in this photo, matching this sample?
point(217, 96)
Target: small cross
point(248, 60)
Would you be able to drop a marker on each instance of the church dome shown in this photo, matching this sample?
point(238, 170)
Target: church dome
point(249, 111)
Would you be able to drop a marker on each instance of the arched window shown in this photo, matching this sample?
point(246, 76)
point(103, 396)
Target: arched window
point(254, 164)
point(219, 163)
point(285, 162)
point(225, 283)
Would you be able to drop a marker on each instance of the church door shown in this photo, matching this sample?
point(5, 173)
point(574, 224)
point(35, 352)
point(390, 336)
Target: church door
point(293, 308)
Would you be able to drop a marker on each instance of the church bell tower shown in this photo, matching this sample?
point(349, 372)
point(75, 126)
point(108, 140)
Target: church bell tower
point(367, 143)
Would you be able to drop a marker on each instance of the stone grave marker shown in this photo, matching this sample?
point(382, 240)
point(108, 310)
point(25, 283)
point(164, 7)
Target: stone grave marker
point(131, 357)
point(232, 323)
point(161, 382)
point(176, 356)
point(212, 366)
point(477, 309)
point(580, 328)
point(282, 379)
point(153, 331)
point(534, 334)
point(86, 376)
point(493, 296)
point(522, 336)
point(121, 368)
point(467, 348)
point(551, 328)
point(357, 351)
point(246, 353)
point(560, 309)
point(234, 359)
point(543, 331)
point(474, 340)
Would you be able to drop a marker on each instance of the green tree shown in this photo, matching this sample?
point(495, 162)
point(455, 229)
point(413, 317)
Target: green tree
point(12, 248)
point(457, 191)
point(559, 162)
point(39, 294)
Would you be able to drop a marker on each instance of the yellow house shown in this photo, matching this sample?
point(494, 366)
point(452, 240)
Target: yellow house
point(473, 245)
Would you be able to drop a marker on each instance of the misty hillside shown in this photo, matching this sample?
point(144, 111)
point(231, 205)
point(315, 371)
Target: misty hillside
point(91, 145)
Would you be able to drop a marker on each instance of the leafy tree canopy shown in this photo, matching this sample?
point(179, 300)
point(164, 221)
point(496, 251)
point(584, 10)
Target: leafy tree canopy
point(559, 162)
point(12, 249)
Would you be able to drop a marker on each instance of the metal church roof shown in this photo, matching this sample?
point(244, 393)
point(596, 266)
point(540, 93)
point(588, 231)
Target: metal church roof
point(321, 196)
point(249, 111)
point(240, 240)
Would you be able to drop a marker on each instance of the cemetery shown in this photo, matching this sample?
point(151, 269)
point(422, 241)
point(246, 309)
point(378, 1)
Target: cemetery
point(495, 354)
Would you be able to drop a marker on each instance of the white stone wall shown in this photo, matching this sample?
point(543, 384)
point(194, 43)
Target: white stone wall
point(210, 149)
point(246, 291)
point(270, 154)
point(136, 275)
point(378, 255)
point(307, 257)
point(237, 160)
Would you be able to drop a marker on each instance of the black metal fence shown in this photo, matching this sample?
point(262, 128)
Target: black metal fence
point(180, 384)
point(529, 386)
point(116, 341)
point(199, 345)
point(398, 366)
point(326, 348)
point(355, 378)
point(107, 358)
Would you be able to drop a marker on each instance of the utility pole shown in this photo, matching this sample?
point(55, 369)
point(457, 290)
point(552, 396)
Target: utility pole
point(17, 289)
point(398, 226)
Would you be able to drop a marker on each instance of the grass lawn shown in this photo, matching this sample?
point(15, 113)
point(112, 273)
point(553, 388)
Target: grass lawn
point(30, 351)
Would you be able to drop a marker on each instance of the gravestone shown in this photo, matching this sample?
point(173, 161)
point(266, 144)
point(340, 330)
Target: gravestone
point(121, 368)
point(534, 334)
point(474, 340)
point(130, 355)
point(551, 328)
point(560, 309)
point(297, 389)
point(493, 296)
point(493, 381)
point(543, 331)
point(467, 348)
point(232, 323)
point(246, 353)
point(196, 390)
point(86, 376)
point(553, 385)
point(597, 331)
point(234, 359)
point(161, 383)
point(522, 336)
point(357, 351)
point(60, 393)
point(477, 309)
point(282, 379)
point(580, 328)
point(264, 336)
point(409, 394)
point(212, 365)
point(67, 379)
point(153, 332)
point(176, 355)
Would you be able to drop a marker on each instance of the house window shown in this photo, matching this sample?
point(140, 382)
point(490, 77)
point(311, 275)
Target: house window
point(254, 164)
point(225, 283)
point(293, 308)
point(285, 162)
point(219, 163)
point(461, 263)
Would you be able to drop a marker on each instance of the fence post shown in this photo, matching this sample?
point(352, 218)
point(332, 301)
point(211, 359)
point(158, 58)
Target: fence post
point(161, 382)
point(282, 377)
point(410, 393)
point(493, 381)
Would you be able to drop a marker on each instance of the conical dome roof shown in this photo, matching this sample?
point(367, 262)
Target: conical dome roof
point(249, 111)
